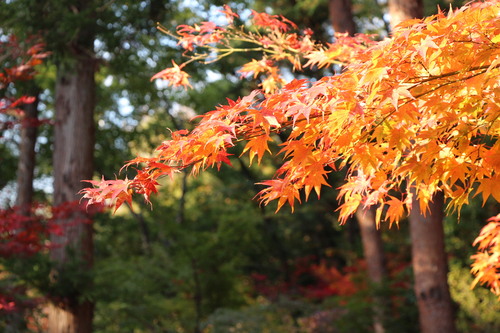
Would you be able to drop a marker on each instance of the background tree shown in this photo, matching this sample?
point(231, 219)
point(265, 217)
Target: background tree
point(19, 237)
point(72, 44)
point(73, 157)
point(27, 159)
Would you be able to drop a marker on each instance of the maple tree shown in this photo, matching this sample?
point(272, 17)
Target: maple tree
point(414, 113)
point(23, 230)
point(21, 236)
point(17, 64)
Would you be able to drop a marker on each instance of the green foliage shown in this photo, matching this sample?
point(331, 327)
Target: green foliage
point(132, 292)
point(8, 161)
point(178, 261)
point(40, 272)
point(334, 315)
point(208, 251)
point(477, 309)
point(281, 316)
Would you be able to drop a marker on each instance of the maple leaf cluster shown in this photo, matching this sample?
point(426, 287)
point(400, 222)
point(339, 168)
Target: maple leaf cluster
point(414, 113)
point(175, 76)
point(322, 280)
point(18, 61)
point(23, 234)
point(207, 145)
point(25, 231)
point(486, 263)
point(274, 36)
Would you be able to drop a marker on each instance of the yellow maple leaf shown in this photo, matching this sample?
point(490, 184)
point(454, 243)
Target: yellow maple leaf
point(489, 186)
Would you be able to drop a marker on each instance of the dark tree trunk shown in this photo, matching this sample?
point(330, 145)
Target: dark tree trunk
point(73, 161)
point(430, 268)
point(341, 16)
point(25, 175)
point(26, 165)
point(430, 265)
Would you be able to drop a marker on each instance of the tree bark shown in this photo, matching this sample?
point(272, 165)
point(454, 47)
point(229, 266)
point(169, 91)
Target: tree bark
point(430, 268)
point(373, 251)
point(25, 175)
point(73, 161)
point(26, 165)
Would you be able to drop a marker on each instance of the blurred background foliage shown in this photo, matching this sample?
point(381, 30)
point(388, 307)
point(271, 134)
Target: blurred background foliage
point(207, 258)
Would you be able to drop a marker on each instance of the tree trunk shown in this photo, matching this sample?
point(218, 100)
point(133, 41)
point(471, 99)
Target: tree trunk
point(430, 265)
point(25, 175)
point(400, 10)
point(73, 161)
point(340, 12)
point(374, 255)
point(430, 268)
point(26, 165)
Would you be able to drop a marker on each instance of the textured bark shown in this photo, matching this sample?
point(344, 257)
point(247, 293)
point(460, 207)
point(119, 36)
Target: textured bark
point(430, 269)
point(73, 144)
point(73, 161)
point(372, 244)
point(26, 165)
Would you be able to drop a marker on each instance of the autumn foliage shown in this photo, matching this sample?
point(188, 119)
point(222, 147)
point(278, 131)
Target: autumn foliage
point(313, 281)
point(18, 61)
point(486, 263)
point(418, 110)
point(23, 234)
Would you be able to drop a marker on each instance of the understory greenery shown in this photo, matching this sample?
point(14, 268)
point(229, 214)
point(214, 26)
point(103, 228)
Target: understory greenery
point(223, 270)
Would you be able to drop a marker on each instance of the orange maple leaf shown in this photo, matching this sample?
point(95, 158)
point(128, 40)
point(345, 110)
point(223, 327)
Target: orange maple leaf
point(174, 75)
point(486, 263)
